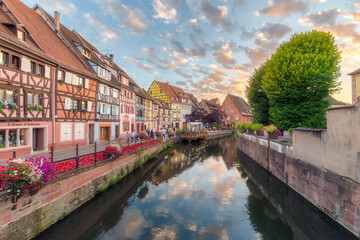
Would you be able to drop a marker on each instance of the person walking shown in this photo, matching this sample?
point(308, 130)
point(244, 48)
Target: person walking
point(132, 136)
point(152, 134)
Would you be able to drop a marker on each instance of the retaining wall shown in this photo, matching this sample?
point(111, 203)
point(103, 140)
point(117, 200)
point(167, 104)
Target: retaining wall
point(336, 195)
point(28, 216)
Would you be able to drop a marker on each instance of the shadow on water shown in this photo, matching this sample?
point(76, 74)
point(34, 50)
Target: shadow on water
point(232, 197)
point(306, 221)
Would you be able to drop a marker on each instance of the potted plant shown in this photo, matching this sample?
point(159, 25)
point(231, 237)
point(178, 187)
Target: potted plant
point(258, 128)
point(12, 106)
point(80, 87)
point(143, 135)
point(158, 134)
point(2, 105)
point(75, 111)
point(38, 108)
point(61, 82)
point(84, 111)
point(273, 132)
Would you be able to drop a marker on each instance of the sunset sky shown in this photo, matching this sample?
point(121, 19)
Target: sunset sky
point(208, 47)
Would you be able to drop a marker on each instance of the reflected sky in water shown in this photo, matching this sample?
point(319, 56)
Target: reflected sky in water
point(198, 191)
point(193, 195)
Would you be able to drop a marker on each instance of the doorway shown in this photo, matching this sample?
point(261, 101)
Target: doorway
point(117, 132)
point(91, 133)
point(104, 133)
point(38, 139)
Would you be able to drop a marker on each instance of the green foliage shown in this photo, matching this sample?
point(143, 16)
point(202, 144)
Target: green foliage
point(270, 128)
point(113, 181)
point(63, 215)
point(257, 127)
point(122, 172)
point(248, 126)
point(103, 188)
point(258, 100)
point(300, 77)
point(127, 169)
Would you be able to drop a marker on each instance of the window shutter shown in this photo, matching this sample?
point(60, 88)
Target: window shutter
point(99, 107)
point(101, 88)
point(47, 71)
point(25, 64)
point(75, 80)
point(108, 109)
point(86, 83)
point(68, 77)
point(89, 106)
point(67, 103)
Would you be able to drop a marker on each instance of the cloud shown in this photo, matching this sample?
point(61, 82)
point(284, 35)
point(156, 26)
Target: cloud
point(66, 7)
point(277, 8)
point(326, 17)
point(106, 32)
point(274, 30)
point(166, 10)
point(138, 63)
point(132, 19)
point(164, 36)
point(224, 56)
point(216, 15)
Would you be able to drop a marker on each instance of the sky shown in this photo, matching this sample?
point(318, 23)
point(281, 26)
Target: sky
point(207, 47)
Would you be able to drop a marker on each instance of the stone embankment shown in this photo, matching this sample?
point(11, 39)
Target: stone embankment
point(27, 216)
point(218, 134)
point(336, 195)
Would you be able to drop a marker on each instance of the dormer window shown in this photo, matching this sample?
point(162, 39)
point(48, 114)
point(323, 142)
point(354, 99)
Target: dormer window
point(86, 52)
point(21, 35)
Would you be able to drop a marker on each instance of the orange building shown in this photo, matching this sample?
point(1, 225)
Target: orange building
point(236, 110)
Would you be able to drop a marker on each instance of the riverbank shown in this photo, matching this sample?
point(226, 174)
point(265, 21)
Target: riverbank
point(335, 195)
point(27, 216)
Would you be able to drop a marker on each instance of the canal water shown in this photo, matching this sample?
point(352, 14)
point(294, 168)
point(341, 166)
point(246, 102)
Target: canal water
point(206, 190)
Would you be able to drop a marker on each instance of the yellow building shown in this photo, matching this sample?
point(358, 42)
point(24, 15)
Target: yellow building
point(165, 92)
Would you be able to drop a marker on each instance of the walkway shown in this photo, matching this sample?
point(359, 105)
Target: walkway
point(69, 153)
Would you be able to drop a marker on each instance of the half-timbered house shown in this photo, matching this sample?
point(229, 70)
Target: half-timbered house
point(26, 74)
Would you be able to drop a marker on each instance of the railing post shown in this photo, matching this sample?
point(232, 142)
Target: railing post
point(14, 154)
point(140, 142)
point(77, 156)
point(128, 145)
point(95, 154)
point(52, 154)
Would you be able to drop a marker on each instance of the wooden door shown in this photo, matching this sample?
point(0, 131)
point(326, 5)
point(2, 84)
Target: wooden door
point(91, 133)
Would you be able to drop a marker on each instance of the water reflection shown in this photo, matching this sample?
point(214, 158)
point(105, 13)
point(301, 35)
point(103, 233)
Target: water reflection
point(198, 191)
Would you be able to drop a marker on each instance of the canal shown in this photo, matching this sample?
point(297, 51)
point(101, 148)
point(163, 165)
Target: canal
point(198, 191)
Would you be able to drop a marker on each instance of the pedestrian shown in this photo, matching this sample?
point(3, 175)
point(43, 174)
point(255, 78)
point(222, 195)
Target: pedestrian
point(152, 133)
point(132, 136)
point(137, 136)
point(127, 137)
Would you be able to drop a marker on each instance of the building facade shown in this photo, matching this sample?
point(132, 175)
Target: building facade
point(236, 110)
point(164, 115)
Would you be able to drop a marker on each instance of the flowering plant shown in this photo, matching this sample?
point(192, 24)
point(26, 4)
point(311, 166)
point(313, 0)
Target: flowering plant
point(112, 152)
point(143, 135)
point(158, 134)
point(172, 133)
point(26, 175)
point(118, 146)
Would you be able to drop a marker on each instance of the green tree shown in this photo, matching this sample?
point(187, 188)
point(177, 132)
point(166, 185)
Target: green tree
point(257, 98)
point(300, 77)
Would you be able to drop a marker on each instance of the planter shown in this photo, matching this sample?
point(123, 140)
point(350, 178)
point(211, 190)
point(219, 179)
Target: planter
point(259, 133)
point(250, 131)
point(273, 136)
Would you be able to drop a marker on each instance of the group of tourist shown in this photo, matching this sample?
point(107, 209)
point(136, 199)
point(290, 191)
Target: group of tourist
point(134, 136)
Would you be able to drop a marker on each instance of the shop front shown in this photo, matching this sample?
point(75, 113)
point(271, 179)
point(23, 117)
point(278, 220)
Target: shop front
point(24, 138)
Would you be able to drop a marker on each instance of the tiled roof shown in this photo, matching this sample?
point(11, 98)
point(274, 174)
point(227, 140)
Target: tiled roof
point(4, 18)
point(210, 104)
point(241, 105)
point(162, 104)
point(43, 34)
point(173, 97)
point(214, 101)
point(143, 93)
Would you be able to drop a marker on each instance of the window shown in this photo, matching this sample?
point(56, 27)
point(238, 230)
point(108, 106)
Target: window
point(33, 99)
point(79, 132)
point(33, 67)
point(41, 70)
point(227, 103)
point(164, 119)
point(61, 76)
point(65, 132)
point(12, 137)
point(75, 105)
point(15, 62)
point(21, 35)
point(83, 105)
point(2, 138)
point(169, 119)
point(5, 58)
point(80, 81)
point(169, 112)
point(85, 52)
point(23, 137)
point(237, 118)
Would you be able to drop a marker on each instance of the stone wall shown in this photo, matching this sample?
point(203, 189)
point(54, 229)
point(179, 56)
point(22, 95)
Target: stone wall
point(27, 216)
point(337, 148)
point(334, 194)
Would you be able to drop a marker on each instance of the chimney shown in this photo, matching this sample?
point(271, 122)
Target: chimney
point(112, 57)
point(57, 19)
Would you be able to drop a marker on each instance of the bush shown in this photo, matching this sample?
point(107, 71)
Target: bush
point(112, 152)
point(158, 134)
point(143, 135)
point(26, 175)
point(257, 127)
point(248, 126)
